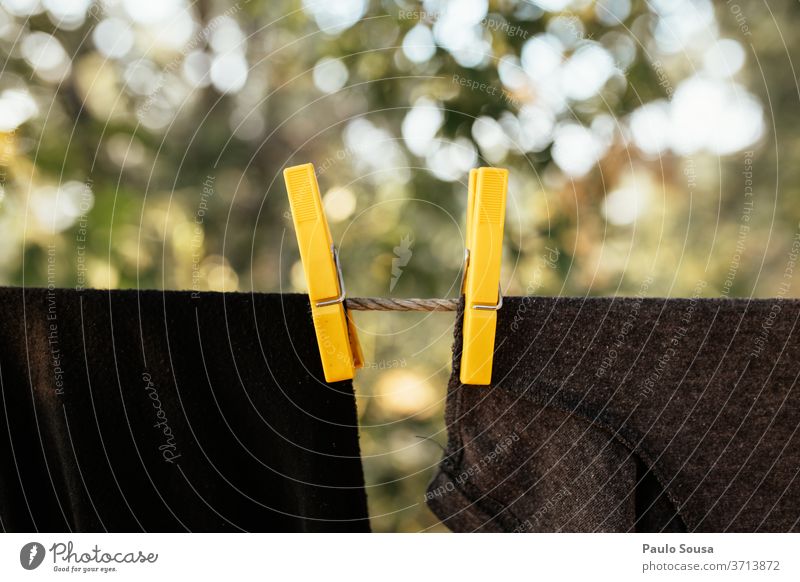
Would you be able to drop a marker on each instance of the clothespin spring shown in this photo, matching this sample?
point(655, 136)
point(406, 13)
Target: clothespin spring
point(342, 291)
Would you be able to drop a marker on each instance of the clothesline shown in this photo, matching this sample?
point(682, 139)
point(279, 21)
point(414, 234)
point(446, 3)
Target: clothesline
point(387, 304)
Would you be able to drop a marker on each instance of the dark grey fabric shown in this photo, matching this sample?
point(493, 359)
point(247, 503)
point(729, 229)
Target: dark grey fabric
point(173, 411)
point(628, 414)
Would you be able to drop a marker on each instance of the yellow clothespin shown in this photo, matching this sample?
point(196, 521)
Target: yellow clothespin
point(338, 342)
point(486, 211)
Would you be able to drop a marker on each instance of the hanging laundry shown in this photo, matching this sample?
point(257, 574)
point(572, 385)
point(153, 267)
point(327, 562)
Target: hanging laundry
point(171, 411)
point(628, 414)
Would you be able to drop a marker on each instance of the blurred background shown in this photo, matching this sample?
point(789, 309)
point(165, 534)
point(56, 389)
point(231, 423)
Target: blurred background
point(142, 143)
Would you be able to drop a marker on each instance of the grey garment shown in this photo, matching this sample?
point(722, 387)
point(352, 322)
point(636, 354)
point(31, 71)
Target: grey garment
point(628, 414)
